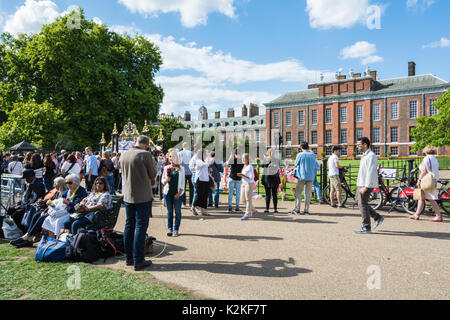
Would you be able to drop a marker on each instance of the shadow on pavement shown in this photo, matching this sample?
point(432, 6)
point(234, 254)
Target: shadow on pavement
point(430, 235)
point(273, 268)
point(233, 237)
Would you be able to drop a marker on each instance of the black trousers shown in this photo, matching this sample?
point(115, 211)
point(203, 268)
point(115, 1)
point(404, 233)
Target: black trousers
point(188, 180)
point(17, 216)
point(271, 191)
point(202, 194)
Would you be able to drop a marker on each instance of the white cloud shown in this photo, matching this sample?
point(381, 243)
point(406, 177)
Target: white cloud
point(221, 67)
point(363, 50)
point(130, 30)
point(31, 16)
point(97, 20)
point(443, 43)
point(193, 12)
point(414, 4)
point(359, 50)
point(327, 14)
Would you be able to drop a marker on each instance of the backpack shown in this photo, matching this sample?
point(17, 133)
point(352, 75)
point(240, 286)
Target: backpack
point(256, 174)
point(108, 246)
point(86, 247)
point(50, 250)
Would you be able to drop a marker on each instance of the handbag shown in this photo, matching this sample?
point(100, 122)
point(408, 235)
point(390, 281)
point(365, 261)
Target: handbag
point(50, 250)
point(419, 194)
point(429, 181)
point(212, 183)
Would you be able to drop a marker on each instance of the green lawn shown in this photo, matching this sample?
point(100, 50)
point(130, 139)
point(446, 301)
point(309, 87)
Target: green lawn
point(23, 278)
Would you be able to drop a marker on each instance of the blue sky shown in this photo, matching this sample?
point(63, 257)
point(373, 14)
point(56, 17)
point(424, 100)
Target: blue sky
point(223, 53)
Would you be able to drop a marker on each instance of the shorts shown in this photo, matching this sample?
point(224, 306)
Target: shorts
point(335, 183)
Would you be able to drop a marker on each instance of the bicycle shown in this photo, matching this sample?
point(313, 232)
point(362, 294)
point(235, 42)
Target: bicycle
point(400, 197)
point(375, 198)
point(443, 200)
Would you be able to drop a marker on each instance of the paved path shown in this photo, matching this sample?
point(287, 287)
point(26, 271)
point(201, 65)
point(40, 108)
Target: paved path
point(301, 257)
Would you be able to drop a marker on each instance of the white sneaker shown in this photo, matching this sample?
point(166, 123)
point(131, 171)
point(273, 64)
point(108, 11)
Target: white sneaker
point(175, 233)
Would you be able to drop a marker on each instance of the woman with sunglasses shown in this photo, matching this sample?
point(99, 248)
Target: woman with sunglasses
point(173, 182)
point(71, 197)
point(99, 199)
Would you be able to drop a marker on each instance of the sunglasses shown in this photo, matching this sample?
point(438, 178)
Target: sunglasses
point(69, 182)
point(99, 183)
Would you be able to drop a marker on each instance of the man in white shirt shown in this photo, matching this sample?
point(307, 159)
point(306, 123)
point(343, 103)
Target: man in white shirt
point(335, 181)
point(367, 181)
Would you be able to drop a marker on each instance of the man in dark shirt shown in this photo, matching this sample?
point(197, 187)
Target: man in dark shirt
point(234, 182)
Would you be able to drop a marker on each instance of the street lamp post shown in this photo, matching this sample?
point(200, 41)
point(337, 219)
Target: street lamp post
point(102, 143)
point(115, 139)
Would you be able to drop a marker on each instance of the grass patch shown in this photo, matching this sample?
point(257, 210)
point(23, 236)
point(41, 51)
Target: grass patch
point(23, 278)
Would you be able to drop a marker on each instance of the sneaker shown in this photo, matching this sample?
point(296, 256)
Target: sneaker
point(244, 218)
point(276, 211)
point(294, 212)
point(306, 213)
point(230, 209)
point(237, 210)
point(341, 207)
point(175, 233)
point(266, 211)
point(363, 230)
point(378, 222)
point(169, 233)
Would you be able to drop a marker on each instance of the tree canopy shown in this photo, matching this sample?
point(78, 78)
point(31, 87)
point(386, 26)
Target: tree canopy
point(434, 131)
point(86, 78)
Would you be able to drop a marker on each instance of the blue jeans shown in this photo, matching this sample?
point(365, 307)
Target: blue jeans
point(48, 183)
point(110, 180)
point(136, 225)
point(77, 224)
point(233, 186)
point(171, 205)
point(317, 189)
point(195, 191)
point(216, 195)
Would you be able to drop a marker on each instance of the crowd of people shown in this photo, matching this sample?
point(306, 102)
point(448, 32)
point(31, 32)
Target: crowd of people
point(55, 202)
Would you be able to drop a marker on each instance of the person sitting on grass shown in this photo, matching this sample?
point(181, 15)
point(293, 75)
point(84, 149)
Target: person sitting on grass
point(35, 228)
point(99, 199)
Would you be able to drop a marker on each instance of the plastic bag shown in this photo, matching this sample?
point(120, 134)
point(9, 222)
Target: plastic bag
point(57, 209)
point(10, 230)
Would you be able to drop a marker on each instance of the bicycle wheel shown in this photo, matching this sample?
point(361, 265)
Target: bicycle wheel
point(396, 198)
point(409, 205)
point(444, 199)
point(326, 195)
point(376, 199)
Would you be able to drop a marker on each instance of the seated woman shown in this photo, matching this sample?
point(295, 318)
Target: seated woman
point(71, 197)
point(35, 228)
point(99, 199)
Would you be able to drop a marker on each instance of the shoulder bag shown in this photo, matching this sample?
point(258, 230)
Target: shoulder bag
point(429, 181)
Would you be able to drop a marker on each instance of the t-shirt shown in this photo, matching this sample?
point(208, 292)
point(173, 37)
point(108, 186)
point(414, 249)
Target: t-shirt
point(333, 170)
point(75, 170)
point(16, 168)
point(248, 171)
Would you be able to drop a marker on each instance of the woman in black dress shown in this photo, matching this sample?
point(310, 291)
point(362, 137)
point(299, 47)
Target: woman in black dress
point(271, 179)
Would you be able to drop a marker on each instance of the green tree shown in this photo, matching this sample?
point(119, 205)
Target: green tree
point(168, 125)
point(434, 131)
point(32, 122)
point(94, 76)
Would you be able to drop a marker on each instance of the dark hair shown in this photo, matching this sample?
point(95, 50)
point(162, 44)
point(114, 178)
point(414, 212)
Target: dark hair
point(365, 140)
point(71, 158)
point(305, 145)
point(48, 160)
point(36, 161)
point(336, 148)
point(105, 184)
